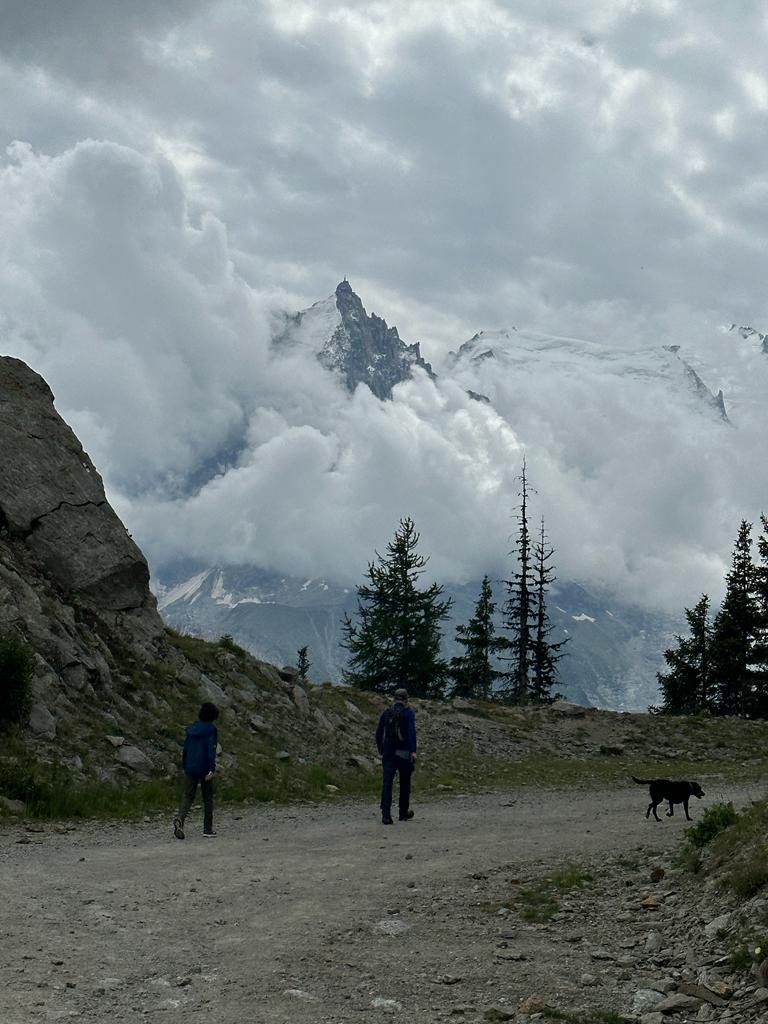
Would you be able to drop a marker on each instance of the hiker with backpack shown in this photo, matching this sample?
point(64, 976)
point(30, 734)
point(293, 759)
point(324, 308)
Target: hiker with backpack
point(198, 763)
point(396, 743)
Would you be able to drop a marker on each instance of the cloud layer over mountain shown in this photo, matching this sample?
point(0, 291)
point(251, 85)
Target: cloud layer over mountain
point(174, 172)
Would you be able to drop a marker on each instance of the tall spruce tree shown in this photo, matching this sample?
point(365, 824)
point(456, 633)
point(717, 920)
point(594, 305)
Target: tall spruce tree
point(687, 687)
point(518, 610)
point(734, 633)
point(760, 650)
point(473, 673)
point(545, 653)
point(396, 638)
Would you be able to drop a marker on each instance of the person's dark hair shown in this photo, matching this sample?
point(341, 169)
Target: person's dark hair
point(208, 712)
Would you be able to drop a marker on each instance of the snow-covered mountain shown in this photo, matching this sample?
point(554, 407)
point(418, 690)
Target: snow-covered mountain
point(613, 652)
point(617, 646)
point(491, 357)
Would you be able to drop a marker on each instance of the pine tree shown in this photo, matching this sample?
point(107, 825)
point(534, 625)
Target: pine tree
point(303, 664)
point(396, 638)
point(687, 687)
point(736, 629)
point(545, 653)
point(518, 610)
point(760, 646)
point(473, 673)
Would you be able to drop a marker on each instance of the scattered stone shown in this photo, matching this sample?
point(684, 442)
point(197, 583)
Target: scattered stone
point(673, 1003)
point(116, 741)
point(358, 761)
point(700, 992)
point(533, 1004)
point(301, 700)
point(449, 979)
point(498, 1013)
point(386, 1005)
point(42, 722)
point(391, 926)
point(282, 755)
point(650, 902)
point(646, 999)
point(331, 789)
point(299, 993)
point(657, 874)
point(258, 724)
point(567, 709)
point(13, 806)
point(716, 925)
point(654, 943)
point(134, 759)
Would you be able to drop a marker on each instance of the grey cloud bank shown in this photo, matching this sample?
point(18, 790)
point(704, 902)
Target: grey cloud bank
point(174, 174)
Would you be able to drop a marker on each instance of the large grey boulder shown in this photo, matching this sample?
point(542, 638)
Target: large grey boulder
point(52, 497)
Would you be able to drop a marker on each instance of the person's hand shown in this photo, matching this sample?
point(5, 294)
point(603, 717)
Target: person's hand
point(413, 757)
point(209, 776)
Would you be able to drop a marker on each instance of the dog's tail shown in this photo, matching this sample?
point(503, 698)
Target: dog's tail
point(642, 782)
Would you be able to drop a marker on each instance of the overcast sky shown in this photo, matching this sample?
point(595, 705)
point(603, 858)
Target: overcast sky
point(170, 173)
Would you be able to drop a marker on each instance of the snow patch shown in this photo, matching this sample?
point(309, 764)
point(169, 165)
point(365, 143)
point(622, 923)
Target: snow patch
point(583, 618)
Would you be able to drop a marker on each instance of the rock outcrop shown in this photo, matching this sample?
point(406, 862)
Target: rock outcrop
point(365, 351)
point(52, 498)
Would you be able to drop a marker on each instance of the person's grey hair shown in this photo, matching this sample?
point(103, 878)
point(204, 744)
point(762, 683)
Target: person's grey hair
point(401, 694)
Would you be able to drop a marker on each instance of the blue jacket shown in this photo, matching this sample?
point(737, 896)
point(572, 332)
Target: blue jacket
point(389, 748)
point(199, 755)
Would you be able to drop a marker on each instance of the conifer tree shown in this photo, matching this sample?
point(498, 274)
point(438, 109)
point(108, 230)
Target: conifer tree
point(518, 610)
point(736, 629)
point(472, 672)
point(303, 664)
point(544, 653)
point(687, 687)
point(760, 646)
point(396, 638)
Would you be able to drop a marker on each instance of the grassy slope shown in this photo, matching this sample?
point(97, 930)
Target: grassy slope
point(464, 745)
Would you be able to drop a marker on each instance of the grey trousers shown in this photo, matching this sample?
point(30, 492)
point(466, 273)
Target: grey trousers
point(190, 789)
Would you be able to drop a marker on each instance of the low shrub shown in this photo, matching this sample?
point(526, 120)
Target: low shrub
point(716, 819)
point(15, 680)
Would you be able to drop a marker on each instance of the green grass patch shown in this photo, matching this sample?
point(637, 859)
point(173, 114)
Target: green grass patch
point(540, 902)
point(716, 819)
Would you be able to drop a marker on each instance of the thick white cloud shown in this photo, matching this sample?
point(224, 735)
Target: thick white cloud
point(175, 171)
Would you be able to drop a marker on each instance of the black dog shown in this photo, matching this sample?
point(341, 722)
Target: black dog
point(671, 791)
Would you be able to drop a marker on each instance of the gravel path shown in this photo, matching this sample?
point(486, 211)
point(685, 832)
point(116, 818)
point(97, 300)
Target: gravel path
point(322, 914)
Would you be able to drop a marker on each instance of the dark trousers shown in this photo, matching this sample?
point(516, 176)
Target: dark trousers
point(190, 789)
point(390, 767)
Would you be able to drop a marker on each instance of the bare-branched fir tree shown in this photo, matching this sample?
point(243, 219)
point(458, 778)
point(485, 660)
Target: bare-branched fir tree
point(518, 609)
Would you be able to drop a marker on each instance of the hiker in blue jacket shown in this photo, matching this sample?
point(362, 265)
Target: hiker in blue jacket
point(396, 742)
point(199, 764)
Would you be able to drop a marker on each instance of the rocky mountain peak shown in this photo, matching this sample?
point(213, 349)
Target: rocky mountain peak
point(364, 350)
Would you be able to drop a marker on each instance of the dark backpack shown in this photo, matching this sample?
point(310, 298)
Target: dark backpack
point(395, 729)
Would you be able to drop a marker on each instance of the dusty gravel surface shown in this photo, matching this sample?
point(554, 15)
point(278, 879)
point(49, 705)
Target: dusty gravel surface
point(320, 913)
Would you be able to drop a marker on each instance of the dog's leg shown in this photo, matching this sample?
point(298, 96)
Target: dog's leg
point(685, 806)
point(653, 808)
point(671, 810)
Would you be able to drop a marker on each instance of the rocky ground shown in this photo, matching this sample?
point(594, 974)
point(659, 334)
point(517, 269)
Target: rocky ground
point(319, 913)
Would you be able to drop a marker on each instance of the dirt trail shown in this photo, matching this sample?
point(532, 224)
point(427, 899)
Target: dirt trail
point(314, 913)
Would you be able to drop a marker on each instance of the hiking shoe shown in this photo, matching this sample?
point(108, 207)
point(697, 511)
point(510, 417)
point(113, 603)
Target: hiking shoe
point(178, 828)
point(210, 835)
point(386, 820)
point(407, 816)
